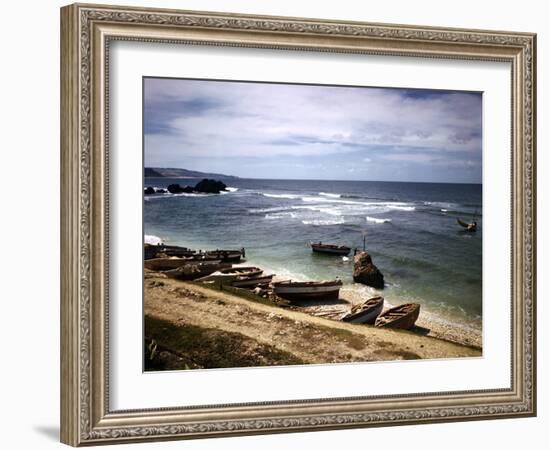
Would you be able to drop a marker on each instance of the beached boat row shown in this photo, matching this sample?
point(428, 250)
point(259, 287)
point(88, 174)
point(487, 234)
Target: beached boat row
point(173, 251)
point(186, 264)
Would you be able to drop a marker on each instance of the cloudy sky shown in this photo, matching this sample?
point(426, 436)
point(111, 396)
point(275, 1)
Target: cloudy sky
point(264, 130)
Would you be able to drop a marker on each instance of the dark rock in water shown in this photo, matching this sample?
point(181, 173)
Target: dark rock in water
point(161, 191)
point(210, 186)
point(149, 190)
point(365, 272)
point(205, 186)
point(175, 189)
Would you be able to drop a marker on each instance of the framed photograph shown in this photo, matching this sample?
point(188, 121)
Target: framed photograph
point(276, 224)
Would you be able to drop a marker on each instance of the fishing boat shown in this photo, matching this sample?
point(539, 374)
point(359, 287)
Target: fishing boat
point(224, 255)
point(151, 251)
point(243, 271)
point(307, 290)
point(402, 316)
point(330, 249)
point(365, 312)
point(174, 250)
point(195, 271)
point(162, 264)
point(227, 276)
point(470, 227)
point(252, 281)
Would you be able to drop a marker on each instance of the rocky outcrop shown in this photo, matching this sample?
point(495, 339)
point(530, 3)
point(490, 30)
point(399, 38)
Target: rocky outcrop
point(205, 186)
point(177, 189)
point(210, 186)
point(365, 272)
point(149, 190)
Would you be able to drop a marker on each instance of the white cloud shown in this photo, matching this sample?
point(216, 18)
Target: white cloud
point(233, 120)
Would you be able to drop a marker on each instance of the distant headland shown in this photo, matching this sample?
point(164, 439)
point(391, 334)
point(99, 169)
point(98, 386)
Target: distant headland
point(157, 172)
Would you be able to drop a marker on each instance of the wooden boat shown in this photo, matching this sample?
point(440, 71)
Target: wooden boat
point(226, 276)
point(365, 312)
point(224, 255)
point(470, 227)
point(402, 316)
point(174, 250)
point(243, 271)
point(162, 264)
point(307, 290)
point(194, 271)
point(330, 249)
point(151, 251)
point(252, 281)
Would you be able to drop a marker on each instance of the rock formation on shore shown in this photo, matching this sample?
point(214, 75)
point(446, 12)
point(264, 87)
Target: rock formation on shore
point(205, 186)
point(365, 272)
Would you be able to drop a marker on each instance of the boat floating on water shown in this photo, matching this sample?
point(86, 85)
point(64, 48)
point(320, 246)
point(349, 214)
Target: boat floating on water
point(402, 316)
point(365, 312)
point(330, 249)
point(470, 227)
point(307, 290)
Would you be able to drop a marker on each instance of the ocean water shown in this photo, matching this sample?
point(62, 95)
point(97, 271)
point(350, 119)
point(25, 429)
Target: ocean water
point(411, 233)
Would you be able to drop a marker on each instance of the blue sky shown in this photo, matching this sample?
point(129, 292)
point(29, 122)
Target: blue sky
point(267, 130)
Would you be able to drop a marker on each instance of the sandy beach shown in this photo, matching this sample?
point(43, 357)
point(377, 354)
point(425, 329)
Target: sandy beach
point(191, 324)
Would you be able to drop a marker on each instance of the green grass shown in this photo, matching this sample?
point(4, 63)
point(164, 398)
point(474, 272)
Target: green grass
point(189, 347)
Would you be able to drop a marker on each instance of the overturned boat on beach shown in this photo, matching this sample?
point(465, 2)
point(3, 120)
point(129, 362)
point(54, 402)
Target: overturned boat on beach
point(402, 316)
point(365, 312)
point(307, 290)
point(330, 249)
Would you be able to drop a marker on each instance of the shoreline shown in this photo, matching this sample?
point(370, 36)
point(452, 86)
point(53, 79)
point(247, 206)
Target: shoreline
point(429, 323)
point(270, 334)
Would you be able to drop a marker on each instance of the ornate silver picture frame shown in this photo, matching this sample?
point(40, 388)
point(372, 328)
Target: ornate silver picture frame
point(87, 32)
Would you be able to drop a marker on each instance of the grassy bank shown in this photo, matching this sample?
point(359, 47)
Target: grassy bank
point(186, 346)
point(194, 326)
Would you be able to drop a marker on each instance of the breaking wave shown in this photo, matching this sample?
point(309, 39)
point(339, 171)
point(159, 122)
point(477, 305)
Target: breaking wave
point(152, 239)
point(288, 196)
point(375, 220)
point(328, 194)
point(323, 222)
point(280, 215)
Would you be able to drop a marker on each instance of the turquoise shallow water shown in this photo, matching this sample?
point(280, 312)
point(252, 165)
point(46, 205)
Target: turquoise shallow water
point(411, 232)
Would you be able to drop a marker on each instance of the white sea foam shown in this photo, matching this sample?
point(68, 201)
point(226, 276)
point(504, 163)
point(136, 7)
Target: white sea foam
point(280, 215)
point(267, 210)
point(402, 208)
point(322, 209)
point(232, 189)
point(152, 239)
point(323, 222)
point(375, 220)
point(328, 194)
point(288, 196)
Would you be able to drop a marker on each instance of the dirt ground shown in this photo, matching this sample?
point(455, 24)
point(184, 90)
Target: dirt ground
point(301, 336)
